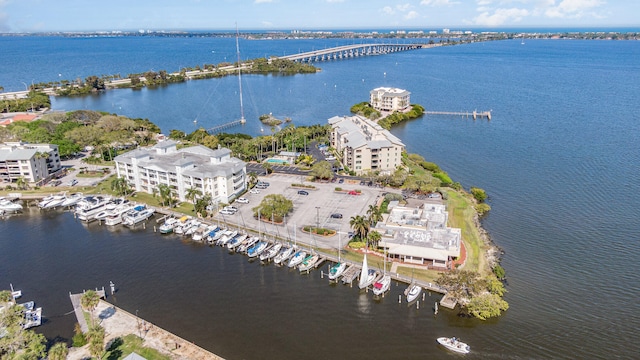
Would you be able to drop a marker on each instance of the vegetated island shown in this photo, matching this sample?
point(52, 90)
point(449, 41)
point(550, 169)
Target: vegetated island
point(270, 120)
point(387, 120)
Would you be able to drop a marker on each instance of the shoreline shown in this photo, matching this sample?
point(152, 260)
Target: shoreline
point(118, 323)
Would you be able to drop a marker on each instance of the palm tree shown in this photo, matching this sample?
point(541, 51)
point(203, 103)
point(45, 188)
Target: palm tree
point(22, 183)
point(192, 194)
point(360, 225)
point(120, 186)
point(166, 194)
point(374, 214)
point(374, 237)
point(95, 337)
point(89, 301)
point(253, 177)
point(59, 351)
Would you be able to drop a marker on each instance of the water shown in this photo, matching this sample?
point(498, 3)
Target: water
point(559, 161)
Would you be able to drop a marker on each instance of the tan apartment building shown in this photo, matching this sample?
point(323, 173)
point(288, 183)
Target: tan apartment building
point(364, 145)
point(389, 99)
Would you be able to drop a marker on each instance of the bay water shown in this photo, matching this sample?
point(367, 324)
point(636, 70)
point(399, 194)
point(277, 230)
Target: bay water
point(560, 161)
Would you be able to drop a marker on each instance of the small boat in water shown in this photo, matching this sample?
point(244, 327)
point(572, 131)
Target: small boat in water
point(9, 206)
point(72, 200)
point(336, 270)
point(297, 258)
point(52, 201)
point(309, 262)
point(137, 215)
point(367, 276)
point(454, 344)
point(247, 243)
point(32, 317)
point(235, 241)
point(269, 253)
point(284, 254)
point(412, 292)
point(257, 249)
point(168, 225)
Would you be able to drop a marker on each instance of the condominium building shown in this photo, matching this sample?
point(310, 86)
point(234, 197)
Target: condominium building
point(33, 162)
point(213, 172)
point(364, 145)
point(389, 99)
point(420, 235)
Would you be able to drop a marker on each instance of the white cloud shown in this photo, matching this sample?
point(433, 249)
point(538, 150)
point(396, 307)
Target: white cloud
point(572, 8)
point(411, 15)
point(403, 7)
point(500, 17)
point(388, 10)
point(438, 2)
point(267, 23)
point(262, 1)
point(335, 1)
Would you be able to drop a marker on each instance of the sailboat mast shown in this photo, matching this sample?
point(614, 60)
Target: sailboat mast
point(242, 120)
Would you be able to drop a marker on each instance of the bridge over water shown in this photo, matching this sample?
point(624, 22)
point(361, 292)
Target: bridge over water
point(353, 51)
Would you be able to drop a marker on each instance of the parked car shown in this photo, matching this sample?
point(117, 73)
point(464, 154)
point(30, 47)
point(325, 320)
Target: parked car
point(254, 191)
point(227, 212)
point(353, 192)
point(262, 187)
point(73, 182)
point(336, 216)
point(341, 181)
point(242, 200)
point(303, 192)
point(263, 183)
point(230, 208)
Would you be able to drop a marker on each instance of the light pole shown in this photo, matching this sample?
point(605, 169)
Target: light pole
point(138, 322)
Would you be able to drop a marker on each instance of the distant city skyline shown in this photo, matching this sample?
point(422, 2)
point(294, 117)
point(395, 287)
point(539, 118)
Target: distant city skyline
point(81, 15)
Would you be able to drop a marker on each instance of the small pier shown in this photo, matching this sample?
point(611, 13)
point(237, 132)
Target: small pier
point(225, 126)
point(77, 307)
point(350, 274)
point(473, 114)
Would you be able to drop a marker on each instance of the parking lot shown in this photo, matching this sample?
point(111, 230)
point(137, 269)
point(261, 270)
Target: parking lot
point(312, 209)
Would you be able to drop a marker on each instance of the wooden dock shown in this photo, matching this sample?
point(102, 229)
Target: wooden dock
point(77, 307)
point(225, 126)
point(350, 274)
point(473, 114)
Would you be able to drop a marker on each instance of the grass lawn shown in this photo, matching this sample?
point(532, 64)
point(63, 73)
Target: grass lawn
point(122, 347)
point(461, 215)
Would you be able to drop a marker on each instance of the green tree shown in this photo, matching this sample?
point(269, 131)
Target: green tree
point(192, 194)
point(89, 301)
point(374, 215)
point(486, 306)
point(5, 296)
point(95, 337)
point(16, 342)
point(120, 186)
point(202, 203)
point(273, 206)
point(58, 351)
point(322, 170)
point(22, 183)
point(478, 193)
point(166, 194)
point(374, 238)
point(360, 225)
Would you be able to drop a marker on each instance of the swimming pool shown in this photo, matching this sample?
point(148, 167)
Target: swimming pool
point(277, 161)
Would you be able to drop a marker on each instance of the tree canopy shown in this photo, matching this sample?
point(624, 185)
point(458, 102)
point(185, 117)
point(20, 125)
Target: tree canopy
point(273, 206)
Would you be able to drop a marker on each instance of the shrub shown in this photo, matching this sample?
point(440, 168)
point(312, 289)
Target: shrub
point(443, 177)
point(338, 188)
point(479, 194)
point(483, 208)
point(357, 245)
point(499, 271)
point(78, 339)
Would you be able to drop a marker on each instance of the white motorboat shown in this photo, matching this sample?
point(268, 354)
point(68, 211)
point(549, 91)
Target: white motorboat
point(8, 206)
point(72, 200)
point(137, 215)
point(195, 225)
point(214, 236)
point(52, 201)
point(168, 225)
point(202, 232)
point(257, 249)
point(367, 276)
point(32, 318)
point(113, 207)
point(284, 255)
point(454, 344)
point(185, 225)
point(297, 258)
point(227, 237)
point(412, 292)
point(381, 286)
point(89, 206)
point(269, 253)
point(115, 217)
point(247, 244)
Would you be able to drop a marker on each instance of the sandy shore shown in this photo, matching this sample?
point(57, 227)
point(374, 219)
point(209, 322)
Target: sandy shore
point(118, 323)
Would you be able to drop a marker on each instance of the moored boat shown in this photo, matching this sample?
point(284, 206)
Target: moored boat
point(137, 215)
point(454, 344)
point(71, 200)
point(336, 270)
point(297, 258)
point(284, 254)
point(412, 292)
point(271, 252)
point(257, 248)
point(367, 276)
point(308, 263)
point(9, 206)
point(381, 286)
point(168, 225)
point(89, 206)
point(247, 243)
point(234, 242)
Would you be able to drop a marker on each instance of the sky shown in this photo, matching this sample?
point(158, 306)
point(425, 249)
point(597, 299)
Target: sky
point(108, 15)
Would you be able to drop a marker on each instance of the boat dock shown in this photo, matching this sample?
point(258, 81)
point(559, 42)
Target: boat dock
point(225, 126)
point(350, 274)
point(77, 307)
point(473, 114)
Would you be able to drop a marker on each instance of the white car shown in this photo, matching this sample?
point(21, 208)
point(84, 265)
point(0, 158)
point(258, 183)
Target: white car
point(227, 212)
point(242, 200)
point(230, 208)
point(254, 191)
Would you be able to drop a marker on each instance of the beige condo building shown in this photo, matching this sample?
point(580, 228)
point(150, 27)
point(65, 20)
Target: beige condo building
point(389, 99)
point(364, 145)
